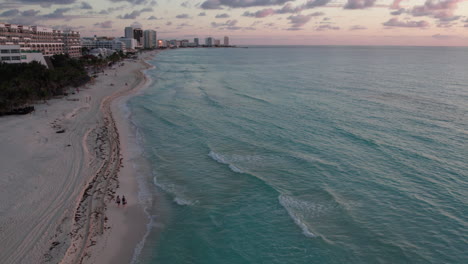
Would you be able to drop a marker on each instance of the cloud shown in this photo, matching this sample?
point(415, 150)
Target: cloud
point(450, 18)
point(317, 14)
point(229, 23)
point(57, 14)
point(30, 12)
point(260, 13)
point(211, 4)
point(152, 18)
point(357, 27)
point(396, 4)
point(136, 24)
point(112, 9)
point(315, 3)
point(180, 26)
point(185, 4)
point(47, 3)
point(10, 13)
point(136, 13)
point(168, 23)
point(287, 9)
point(398, 12)
point(326, 27)
point(443, 37)
point(202, 14)
point(436, 8)
point(298, 20)
point(183, 16)
point(217, 4)
point(222, 16)
point(105, 24)
point(134, 2)
point(85, 5)
point(394, 22)
point(359, 4)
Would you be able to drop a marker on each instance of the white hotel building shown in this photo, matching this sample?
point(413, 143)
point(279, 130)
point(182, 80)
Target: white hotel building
point(14, 54)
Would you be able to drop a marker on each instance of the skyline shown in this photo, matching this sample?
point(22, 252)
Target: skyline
point(275, 22)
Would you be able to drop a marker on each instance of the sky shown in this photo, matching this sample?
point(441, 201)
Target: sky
point(257, 22)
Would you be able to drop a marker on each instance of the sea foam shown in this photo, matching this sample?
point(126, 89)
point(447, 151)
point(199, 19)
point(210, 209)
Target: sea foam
point(223, 160)
point(292, 205)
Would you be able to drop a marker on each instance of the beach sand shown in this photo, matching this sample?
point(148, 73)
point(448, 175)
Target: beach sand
point(58, 189)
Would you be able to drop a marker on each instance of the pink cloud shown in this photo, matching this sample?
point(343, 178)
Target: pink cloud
point(396, 4)
point(394, 22)
point(299, 20)
point(359, 4)
point(260, 13)
point(436, 8)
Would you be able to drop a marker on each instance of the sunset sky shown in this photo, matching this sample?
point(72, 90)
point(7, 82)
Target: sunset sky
point(274, 22)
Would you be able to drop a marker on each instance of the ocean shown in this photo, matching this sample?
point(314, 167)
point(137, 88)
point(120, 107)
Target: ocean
point(305, 155)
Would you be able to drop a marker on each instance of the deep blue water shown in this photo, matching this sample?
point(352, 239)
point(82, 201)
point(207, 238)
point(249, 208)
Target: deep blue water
point(307, 155)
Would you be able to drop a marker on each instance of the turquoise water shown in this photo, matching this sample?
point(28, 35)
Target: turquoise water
point(307, 155)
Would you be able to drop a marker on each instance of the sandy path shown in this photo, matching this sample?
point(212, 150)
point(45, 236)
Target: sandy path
point(46, 175)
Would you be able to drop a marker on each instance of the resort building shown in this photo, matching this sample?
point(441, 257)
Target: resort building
point(196, 41)
point(72, 43)
point(46, 40)
point(149, 37)
point(14, 54)
point(226, 41)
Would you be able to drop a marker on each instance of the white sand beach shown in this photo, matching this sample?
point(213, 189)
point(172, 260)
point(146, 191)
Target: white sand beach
point(58, 189)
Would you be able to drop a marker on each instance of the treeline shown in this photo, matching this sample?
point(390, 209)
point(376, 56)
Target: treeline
point(23, 83)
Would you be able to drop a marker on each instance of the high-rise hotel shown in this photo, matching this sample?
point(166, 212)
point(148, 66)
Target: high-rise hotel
point(45, 40)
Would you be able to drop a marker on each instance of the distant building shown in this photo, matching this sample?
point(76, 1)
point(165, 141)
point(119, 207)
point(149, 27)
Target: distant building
point(93, 43)
point(130, 43)
point(184, 43)
point(119, 45)
point(162, 44)
point(149, 39)
point(196, 41)
point(101, 52)
point(209, 41)
point(129, 32)
point(226, 41)
point(14, 54)
point(138, 35)
point(217, 42)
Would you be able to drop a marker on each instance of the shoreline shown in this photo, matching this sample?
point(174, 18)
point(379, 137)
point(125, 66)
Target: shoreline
point(128, 225)
point(59, 187)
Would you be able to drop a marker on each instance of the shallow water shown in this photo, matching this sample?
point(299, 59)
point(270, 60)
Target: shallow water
point(307, 155)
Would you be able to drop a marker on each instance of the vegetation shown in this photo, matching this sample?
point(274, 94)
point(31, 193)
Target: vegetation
point(23, 83)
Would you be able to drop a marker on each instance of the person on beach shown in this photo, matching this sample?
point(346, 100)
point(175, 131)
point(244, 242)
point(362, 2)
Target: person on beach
point(124, 201)
point(118, 200)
